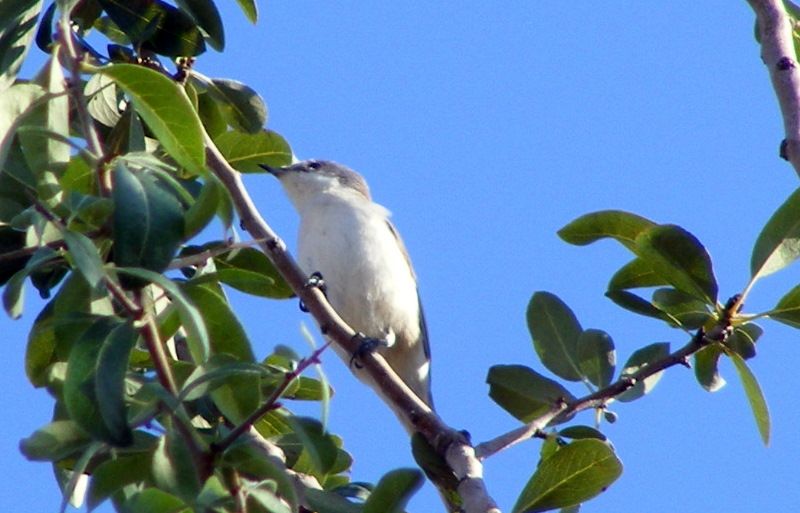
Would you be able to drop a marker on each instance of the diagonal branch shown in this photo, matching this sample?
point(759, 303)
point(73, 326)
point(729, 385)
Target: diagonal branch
point(456, 450)
point(774, 28)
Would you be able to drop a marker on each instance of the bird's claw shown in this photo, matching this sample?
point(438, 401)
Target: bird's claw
point(315, 280)
point(366, 345)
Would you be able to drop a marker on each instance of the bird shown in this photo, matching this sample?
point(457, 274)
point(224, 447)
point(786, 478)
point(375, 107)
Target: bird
point(348, 239)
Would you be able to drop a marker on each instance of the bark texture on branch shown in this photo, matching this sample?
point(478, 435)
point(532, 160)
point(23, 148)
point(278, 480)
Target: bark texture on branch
point(775, 29)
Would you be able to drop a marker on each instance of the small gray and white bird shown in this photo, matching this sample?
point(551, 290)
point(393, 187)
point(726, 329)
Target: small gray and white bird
point(368, 277)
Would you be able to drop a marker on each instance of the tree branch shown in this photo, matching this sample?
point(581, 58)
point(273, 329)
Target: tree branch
point(600, 397)
point(775, 29)
point(454, 447)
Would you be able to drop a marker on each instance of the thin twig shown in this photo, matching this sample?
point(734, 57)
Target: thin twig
point(272, 402)
point(601, 397)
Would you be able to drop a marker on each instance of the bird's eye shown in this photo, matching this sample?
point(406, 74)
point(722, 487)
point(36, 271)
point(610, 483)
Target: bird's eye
point(314, 165)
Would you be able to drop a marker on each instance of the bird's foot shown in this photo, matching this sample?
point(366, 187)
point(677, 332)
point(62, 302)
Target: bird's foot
point(366, 345)
point(315, 280)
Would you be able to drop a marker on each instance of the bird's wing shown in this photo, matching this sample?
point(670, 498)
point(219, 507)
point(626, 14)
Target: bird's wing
point(423, 327)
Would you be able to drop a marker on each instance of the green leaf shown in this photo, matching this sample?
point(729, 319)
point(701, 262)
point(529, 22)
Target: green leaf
point(555, 330)
point(393, 491)
point(226, 334)
point(104, 101)
point(157, 26)
point(706, 369)
point(210, 111)
point(778, 244)
point(248, 459)
point(204, 207)
point(166, 109)
point(523, 392)
point(244, 152)
point(243, 108)
point(16, 103)
point(621, 226)
point(678, 257)
point(317, 444)
point(55, 441)
point(13, 294)
point(250, 271)
point(81, 386)
point(681, 309)
point(17, 28)
point(191, 320)
point(787, 310)
point(85, 256)
point(581, 432)
point(147, 223)
point(634, 303)
point(743, 339)
point(596, 356)
point(109, 381)
point(207, 16)
point(214, 373)
point(639, 360)
point(173, 467)
point(238, 396)
point(112, 475)
point(153, 500)
point(262, 497)
point(635, 274)
point(250, 9)
point(574, 474)
point(758, 404)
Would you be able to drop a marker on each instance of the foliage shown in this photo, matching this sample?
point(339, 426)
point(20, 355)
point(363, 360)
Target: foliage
point(104, 198)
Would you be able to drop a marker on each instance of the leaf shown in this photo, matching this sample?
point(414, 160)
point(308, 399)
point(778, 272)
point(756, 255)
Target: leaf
point(621, 226)
point(226, 334)
point(639, 360)
point(250, 9)
point(248, 459)
point(636, 273)
point(103, 102)
point(153, 500)
point(191, 320)
point(596, 356)
point(743, 339)
point(581, 432)
point(317, 444)
point(81, 385)
point(173, 467)
point(157, 26)
point(523, 392)
point(147, 221)
point(778, 244)
point(573, 474)
point(681, 309)
point(758, 404)
point(17, 28)
point(112, 475)
point(13, 294)
point(787, 310)
point(243, 108)
point(555, 330)
point(213, 374)
point(204, 207)
point(55, 441)
point(109, 381)
point(238, 396)
point(678, 257)
point(207, 16)
point(16, 103)
point(166, 109)
point(705, 368)
point(246, 151)
point(250, 271)
point(393, 491)
point(85, 256)
point(634, 303)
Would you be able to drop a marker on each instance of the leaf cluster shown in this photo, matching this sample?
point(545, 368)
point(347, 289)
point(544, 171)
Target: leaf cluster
point(106, 201)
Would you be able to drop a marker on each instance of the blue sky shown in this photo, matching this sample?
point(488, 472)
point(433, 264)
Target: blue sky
point(485, 129)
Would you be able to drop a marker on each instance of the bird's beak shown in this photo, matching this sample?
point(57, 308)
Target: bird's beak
point(277, 172)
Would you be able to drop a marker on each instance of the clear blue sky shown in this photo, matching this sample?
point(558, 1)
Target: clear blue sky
point(485, 128)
